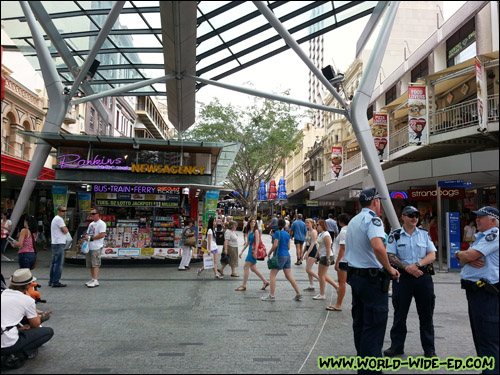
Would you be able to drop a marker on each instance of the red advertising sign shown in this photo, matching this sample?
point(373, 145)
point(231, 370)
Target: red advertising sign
point(431, 194)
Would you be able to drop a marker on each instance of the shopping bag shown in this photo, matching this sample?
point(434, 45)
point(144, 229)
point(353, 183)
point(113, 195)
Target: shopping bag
point(208, 262)
point(261, 251)
point(69, 240)
point(84, 249)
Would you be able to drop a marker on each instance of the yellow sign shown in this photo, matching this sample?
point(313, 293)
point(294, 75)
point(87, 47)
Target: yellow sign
point(174, 169)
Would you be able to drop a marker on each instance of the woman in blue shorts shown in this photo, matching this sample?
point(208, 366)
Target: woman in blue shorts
point(252, 242)
point(281, 244)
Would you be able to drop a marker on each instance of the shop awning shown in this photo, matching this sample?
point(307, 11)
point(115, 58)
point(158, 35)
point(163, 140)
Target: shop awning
point(223, 153)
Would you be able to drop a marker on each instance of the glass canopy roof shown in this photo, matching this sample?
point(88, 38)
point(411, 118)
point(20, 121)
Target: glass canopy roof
point(230, 36)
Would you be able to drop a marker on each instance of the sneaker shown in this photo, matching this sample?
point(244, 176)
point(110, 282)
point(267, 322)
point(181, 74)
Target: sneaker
point(309, 289)
point(219, 277)
point(268, 298)
point(33, 354)
point(93, 284)
point(89, 282)
point(319, 297)
point(58, 285)
point(199, 272)
point(298, 297)
point(12, 362)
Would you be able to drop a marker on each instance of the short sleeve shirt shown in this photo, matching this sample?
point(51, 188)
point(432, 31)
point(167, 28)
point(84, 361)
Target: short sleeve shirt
point(95, 228)
point(299, 230)
point(410, 248)
point(15, 306)
point(487, 244)
point(232, 237)
point(362, 229)
point(56, 235)
point(340, 240)
point(283, 238)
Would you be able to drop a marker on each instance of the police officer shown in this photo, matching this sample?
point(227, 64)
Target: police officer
point(367, 259)
point(480, 281)
point(411, 251)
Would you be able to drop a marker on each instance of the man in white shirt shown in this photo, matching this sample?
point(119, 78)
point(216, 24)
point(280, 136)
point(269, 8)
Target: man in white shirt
point(19, 343)
point(58, 232)
point(95, 235)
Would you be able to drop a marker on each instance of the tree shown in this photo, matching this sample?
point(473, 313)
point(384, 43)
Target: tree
point(268, 133)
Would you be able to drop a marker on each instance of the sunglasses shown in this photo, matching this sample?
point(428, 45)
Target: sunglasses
point(62, 210)
point(413, 216)
point(93, 213)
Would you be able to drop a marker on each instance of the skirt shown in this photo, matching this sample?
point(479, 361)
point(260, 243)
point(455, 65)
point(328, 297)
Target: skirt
point(233, 253)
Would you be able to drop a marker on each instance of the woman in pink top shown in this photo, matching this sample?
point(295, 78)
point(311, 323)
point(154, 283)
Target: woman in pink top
point(27, 243)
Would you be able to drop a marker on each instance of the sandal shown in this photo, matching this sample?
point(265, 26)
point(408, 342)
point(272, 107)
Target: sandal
point(235, 275)
point(241, 289)
point(332, 308)
point(265, 285)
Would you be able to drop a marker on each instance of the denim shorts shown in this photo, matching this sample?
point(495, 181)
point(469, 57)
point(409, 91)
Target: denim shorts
point(285, 262)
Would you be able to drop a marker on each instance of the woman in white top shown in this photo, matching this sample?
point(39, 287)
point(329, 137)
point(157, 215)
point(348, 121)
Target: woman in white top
point(6, 227)
point(324, 255)
point(211, 247)
point(341, 264)
point(470, 232)
point(311, 251)
point(230, 248)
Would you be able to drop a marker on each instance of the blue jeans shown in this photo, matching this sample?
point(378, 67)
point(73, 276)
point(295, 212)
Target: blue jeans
point(26, 260)
point(56, 264)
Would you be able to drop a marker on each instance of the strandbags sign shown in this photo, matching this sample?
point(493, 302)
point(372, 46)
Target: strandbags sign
point(417, 115)
point(75, 161)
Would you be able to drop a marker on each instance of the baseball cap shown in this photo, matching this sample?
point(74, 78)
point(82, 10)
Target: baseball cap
point(487, 210)
point(408, 210)
point(368, 195)
point(22, 276)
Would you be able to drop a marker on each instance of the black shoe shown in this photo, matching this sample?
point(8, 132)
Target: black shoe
point(12, 362)
point(430, 354)
point(58, 285)
point(33, 354)
point(392, 352)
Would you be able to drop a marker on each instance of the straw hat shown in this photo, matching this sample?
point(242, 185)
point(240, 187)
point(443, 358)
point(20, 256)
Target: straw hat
point(22, 276)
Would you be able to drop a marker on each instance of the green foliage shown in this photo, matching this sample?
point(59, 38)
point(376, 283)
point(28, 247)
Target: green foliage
point(267, 131)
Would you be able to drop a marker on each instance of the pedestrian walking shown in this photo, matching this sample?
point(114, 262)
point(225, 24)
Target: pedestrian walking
point(333, 228)
point(27, 255)
point(298, 232)
point(19, 344)
point(411, 251)
point(211, 247)
point(367, 258)
point(252, 242)
point(6, 228)
point(187, 250)
point(95, 235)
point(230, 248)
point(480, 281)
point(310, 253)
point(274, 225)
point(341, 263)
point(470, 232)
point(58, 232)
point(324, 258)
point(281, 245)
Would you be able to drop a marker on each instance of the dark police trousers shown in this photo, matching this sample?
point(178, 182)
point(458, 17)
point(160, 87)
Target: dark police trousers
point(484, 316)
point(370, 308)
point(422, 289)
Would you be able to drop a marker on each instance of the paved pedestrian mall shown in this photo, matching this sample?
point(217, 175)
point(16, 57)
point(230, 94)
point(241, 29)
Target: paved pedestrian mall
point(155, 319)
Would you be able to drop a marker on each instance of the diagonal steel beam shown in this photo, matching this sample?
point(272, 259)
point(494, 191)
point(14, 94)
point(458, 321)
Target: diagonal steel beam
point(59, 44)
point(101, 38)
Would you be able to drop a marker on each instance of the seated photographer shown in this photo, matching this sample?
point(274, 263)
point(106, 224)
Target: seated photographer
point(21, 341)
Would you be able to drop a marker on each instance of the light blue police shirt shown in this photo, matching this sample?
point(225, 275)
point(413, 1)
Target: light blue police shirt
point(410, 248)
point(487, 244)
point(358, 249)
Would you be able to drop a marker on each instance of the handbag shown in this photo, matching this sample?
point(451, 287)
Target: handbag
point(261, 251)
point(208, 261)
point(190, 241)
point(225, 258)
point(273, 263)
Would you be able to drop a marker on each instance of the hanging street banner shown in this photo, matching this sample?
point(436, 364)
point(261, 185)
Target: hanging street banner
point(380, 134)
point(482, 95)
point(417, 115)
point(337, 163)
